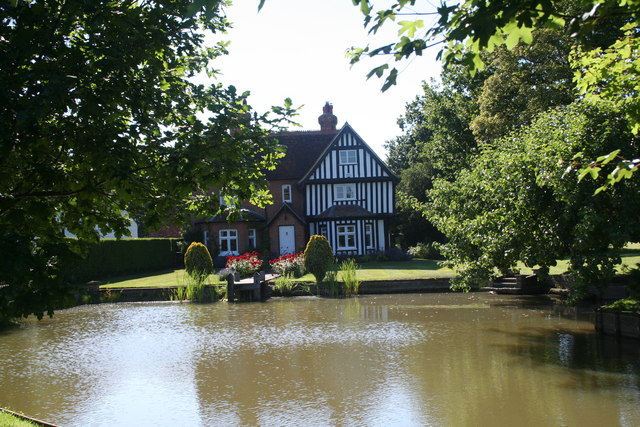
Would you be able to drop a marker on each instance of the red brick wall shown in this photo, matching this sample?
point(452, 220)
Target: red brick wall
point(286, 218)
point(297, 197)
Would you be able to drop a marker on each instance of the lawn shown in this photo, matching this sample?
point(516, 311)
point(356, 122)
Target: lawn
point(397, 270)
point(161, 279)
point(388, 270)
point(9, 420)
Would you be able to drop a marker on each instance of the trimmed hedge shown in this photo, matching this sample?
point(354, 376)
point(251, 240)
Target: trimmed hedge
point(112, 257)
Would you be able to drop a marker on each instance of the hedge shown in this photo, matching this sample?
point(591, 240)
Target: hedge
point(112, 257)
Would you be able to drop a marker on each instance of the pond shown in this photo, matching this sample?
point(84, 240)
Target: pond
point(414, 360)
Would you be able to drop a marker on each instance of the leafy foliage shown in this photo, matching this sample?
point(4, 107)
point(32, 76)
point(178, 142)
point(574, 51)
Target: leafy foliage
point(197, 261)
point(626, 304)
point(100, 114)
point(109, 258)
point(318, 257)
point(515, 203)
point(465, 29)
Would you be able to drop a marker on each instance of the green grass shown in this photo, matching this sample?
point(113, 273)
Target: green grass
point(8, 420)
point(388, 270)
point(161, 279)
point(396, 270)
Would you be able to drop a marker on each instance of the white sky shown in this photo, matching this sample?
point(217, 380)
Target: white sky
point(296, 49)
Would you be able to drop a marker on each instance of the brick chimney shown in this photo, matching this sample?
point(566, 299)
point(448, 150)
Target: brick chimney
point(327, 120)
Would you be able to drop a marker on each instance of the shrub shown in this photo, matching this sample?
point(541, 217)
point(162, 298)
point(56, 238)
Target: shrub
point(110, 257)
point(197, 261)
point(425, 251)
point(318, 257)
point(396, 254)
point(245, 264)
point(627, 304)
point(289, 264)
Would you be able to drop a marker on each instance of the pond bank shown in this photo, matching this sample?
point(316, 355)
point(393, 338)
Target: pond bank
point(368, 287)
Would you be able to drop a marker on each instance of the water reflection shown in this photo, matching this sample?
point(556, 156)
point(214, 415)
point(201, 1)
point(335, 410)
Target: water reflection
point(433, 359)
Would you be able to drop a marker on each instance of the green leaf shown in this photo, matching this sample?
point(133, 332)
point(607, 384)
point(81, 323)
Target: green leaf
point(378, 71)
point(410, 27)
point(607, 157)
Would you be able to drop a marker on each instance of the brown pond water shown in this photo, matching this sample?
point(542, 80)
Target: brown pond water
point(386, 360)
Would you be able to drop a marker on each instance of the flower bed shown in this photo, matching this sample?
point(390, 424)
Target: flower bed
point(245, 264)
point(289, 265)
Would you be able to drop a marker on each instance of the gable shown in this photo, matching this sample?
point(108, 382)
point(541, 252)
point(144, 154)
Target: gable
point(348, 157)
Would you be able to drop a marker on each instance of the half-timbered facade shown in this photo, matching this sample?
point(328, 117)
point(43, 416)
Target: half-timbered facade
point(330, 182)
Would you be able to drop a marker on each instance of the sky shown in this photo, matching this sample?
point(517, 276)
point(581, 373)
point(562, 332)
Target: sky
point(296, 49)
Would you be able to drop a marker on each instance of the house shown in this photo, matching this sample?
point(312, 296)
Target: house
point(330, 182)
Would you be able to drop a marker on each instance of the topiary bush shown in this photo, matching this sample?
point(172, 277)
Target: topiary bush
point(318, 257)
point(197, 261)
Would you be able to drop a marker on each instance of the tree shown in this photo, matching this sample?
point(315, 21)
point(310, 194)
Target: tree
point(464, 30)
point(437, 142)
point(606, 70)
point(522, 83)
point(99, 114)
point(515, 203)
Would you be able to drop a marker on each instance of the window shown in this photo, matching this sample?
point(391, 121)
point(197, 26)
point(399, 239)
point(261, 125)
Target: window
point(205, 238)
point(345, 191)
point(323, 230)
point(368, 236)
point(223, 202)
point(228, 242)
point(348, 157)
point(286, 193)
point(346, 237)
point(253, 243)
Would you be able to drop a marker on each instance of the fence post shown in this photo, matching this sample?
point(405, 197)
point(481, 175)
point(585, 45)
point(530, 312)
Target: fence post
point(230, 288)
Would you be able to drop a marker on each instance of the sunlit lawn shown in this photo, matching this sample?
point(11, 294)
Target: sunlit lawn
point(9, 420)
point(161, 279)
point(389, 270)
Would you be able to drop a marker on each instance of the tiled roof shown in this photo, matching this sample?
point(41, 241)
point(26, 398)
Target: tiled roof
point(303, 149)
point(245, 215)
point(342, 211)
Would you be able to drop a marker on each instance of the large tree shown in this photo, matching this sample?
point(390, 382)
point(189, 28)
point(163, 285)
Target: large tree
point(100, 114)
point(516, 204)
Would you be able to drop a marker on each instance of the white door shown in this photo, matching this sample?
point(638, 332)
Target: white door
point(287, 239)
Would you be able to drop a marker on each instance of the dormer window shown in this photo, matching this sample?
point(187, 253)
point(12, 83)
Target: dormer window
point(286, 193)
point(348, 157)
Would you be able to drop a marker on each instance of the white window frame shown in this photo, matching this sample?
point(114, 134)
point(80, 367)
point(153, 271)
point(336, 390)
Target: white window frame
point(253, 240)
point(368, 236)
point(228, 238)
point(348, 157)
point(323, 231)
point(286, 189)
point(223, 202)
point(340, 191)
point(346, 234)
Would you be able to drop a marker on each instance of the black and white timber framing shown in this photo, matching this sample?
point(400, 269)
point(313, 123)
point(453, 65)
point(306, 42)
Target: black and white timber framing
point(350, 195)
